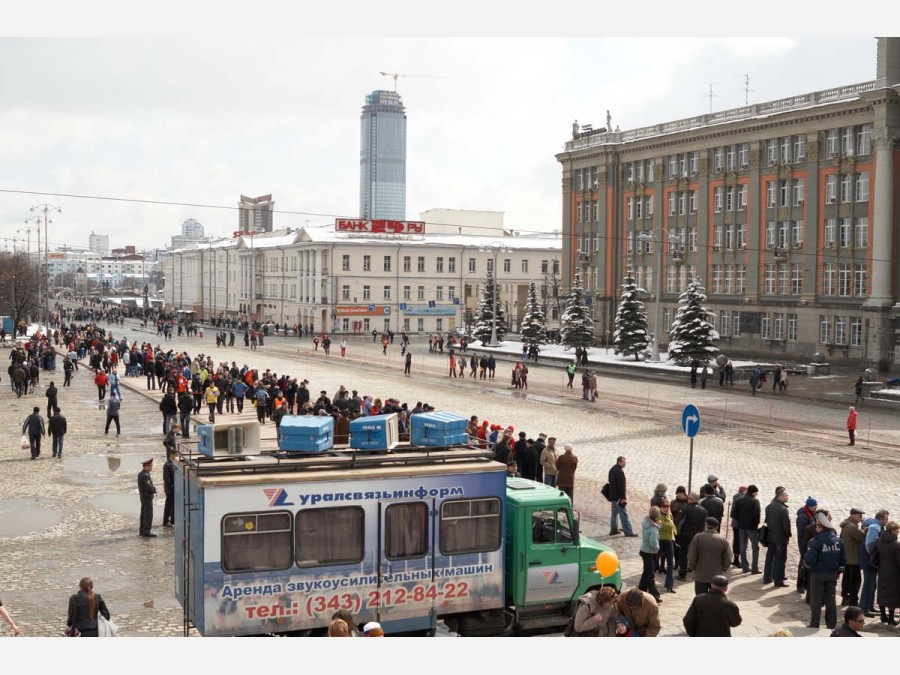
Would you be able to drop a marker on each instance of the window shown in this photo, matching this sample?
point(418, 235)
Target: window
point(439, 325)
point(729, 279)
point(729, 199)
point(726, 323)
point(783, 233)
point(859, 280)
point(729, 238)
point(470, 526)
point(578, 181)
point(330, 536)
point(766, 327)
point(785, 154)
point(770, 278)
point(451, 293)
point(672, 166)
point(451, 265)
point(407, 292)
point(840, 330)
point(778, 333)
point(862, 186)
point(825, 330)
point(525, 260)
point(596, 211)
point(828, 279)
point(439, 293)
point(670, 279)
point(844, 280)
point(345, 292)
point(367, 292)
point(421, 263)
point(717, 199)
point(847, 141)
point(855, 332)
point(797, 234)
point(800, 148)
point(345, 325)
point(630, 208)
point(650, 170)
point(736, 324)
point(629, 172)
point(845, 232)
point(681, 203)
point(729, 158)
point(862, 232)
point(830, 188)
point(639, 172)
point(683, 164)
point(648, 208)
point(420, 325)
point(796, 279)
point(367, 263)
point(507, 262)
point(671, 203)
point(548, 527)
point(695, 163)
point(578, 212)
point(692, 201)
point(792, 327)
point(253, 542)
point(387, 263)
point(471, 264)
point(667, 319)
point(770, 194)
point(830, 228)
point(846, 185)
point(718, 159)
point(439, 264)
point(406, 531)
point(718, 276)
point(785, 193)
point(387, 292)
point(638, 208)
point(629, 242)
point(771, 152)
point(742, 198)
point(831, 139)
point(405, 325)
point(345, 263)
point(744, 155)
point(799, 186)
point(420, 293)
point(864, 139)
point(692, 240)
point(407, 263)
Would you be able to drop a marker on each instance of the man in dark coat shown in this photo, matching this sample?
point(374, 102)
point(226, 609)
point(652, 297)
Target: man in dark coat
point(778, 523)
point(854, 619)
point(168, 406)
point(888, 548)
point(715, 507)
point(712, 614)
point(51, 394)
point(825, 560)
point(57, 428)
point(747, 513)
point(147, 492)
point(618, 497)
point(806, 515)
point(34, 427)
point(709, 556)
point(185, 408)
point(852, 536)
point(528, 460)
point(690, 522)
point(169, 487)
point(502, 449)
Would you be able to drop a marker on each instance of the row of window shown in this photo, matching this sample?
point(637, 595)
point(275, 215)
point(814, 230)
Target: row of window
point(846, 182)
point(728, 279)
point(833, 330)
point(407, 293)
point(253, 542)
point(783, 279)
point(843, 142)
point(844, 279)
point(439, 266)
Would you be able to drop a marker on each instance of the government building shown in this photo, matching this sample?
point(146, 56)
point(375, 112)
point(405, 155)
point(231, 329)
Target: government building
point(787, 211)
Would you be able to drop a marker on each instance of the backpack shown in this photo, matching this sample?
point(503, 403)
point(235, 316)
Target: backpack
point(605, 492)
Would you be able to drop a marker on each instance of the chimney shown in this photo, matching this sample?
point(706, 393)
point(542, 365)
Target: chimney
point(888, 60)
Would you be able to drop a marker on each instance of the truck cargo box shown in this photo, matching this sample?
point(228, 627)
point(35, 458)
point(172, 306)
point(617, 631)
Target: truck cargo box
point(438, 429)
point(305, 433)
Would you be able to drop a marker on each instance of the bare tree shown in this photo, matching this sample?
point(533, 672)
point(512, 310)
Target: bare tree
point(19, 283)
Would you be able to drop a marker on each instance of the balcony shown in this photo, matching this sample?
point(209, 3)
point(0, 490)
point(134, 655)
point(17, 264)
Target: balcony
point(780, 253)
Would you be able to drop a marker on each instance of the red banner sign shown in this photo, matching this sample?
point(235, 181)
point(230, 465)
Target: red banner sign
point(379, 226)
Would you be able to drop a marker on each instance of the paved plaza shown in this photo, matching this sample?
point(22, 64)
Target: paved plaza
point(74, 517)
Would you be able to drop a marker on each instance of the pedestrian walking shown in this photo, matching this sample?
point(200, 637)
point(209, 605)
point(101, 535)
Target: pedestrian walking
point(168, 406)
point(618, 499)
point(649, 550)
point(101, 379)
point(709, 555)
point(694, 366)
point(52, 399)
point(57, 427)
point(851, 425)
point(704, 374)
point(8, 619)
point(212, 401)
point(113, 406)
point(169, 487)
point(570, 373)
point(34, 428)
point(712, 614)
point(407, 364)
point(185, 408)
point(84, 608)
point(147, 492)
point(858, 389)
point(825, 560)
point(666, 557)
point(343, 346)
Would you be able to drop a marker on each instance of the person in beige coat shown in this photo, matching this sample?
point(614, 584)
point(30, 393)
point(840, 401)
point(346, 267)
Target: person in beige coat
point(709, 556)
point(596, 615)
point(548, 462)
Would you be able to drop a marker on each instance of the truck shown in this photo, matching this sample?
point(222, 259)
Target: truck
point(276, 543)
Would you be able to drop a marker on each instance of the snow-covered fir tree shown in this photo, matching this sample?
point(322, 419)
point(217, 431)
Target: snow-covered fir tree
point(577, 325)
point(534, 326)
point(692, 335)
point(631, 337)
point(484, 315)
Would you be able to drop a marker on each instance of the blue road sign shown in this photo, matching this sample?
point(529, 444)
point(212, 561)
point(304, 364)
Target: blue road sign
point(690, 420)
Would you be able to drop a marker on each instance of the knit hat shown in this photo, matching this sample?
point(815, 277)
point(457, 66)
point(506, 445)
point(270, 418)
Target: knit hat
point(810, 502)
point(622, 620)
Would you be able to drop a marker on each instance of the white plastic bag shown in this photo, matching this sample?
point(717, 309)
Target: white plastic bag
point(26, 445)
point(106, 628)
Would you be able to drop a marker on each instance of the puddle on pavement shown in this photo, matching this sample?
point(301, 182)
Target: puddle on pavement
point(123, 503)
point(24, 516)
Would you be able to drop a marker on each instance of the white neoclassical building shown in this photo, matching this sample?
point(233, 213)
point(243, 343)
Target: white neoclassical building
point(342, 282)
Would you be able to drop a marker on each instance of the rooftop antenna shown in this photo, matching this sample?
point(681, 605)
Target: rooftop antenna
point(394, 76)
point(747, 90)
point(710, 95)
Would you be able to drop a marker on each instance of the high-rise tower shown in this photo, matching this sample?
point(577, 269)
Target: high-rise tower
point(382, 157)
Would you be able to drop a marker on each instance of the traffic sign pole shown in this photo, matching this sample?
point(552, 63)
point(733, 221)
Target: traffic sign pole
point(691, 465)
point(690, 425)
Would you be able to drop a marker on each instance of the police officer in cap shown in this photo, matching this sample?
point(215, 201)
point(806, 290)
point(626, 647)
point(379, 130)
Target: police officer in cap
point(147, 491)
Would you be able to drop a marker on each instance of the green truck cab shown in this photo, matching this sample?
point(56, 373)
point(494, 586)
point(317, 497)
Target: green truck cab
point(549, 564)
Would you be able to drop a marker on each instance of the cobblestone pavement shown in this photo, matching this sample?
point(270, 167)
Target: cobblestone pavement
point(64, 519)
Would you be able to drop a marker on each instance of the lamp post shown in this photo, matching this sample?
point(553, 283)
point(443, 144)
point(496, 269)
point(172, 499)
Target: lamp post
point(46, 210)
point(495, 248)
point(659, 240)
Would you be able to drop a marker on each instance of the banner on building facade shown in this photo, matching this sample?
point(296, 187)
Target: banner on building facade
point(379, 226)
point(362, 310)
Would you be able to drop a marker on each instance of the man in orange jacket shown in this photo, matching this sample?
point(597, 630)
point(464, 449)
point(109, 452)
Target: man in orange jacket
point(851, 425)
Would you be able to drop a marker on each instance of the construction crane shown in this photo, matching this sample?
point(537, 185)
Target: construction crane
point(397, 75)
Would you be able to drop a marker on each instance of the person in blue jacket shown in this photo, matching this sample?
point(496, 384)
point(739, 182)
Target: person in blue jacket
point(825, 560)
point(872, 527)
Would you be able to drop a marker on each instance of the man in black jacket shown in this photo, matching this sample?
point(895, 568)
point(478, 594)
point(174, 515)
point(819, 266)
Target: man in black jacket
point(185, 408)
point(746, 511)
point(618, 497)
point(34, 427)
point(169, 487)
point(57, 427)
point(778, 523)
point(169, 409)
point(715, 507)
point(147, 492)
point(51, 394)
point(712, 614)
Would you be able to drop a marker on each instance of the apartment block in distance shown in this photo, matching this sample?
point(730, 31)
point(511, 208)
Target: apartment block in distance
point(786, 210)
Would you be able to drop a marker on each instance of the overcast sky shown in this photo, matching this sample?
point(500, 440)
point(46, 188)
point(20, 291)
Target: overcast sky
point(205, 120)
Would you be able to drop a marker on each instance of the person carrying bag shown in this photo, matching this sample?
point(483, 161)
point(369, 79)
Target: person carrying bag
point(85, 610)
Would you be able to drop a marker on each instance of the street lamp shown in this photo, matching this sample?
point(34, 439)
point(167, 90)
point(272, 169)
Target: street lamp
point(46, 210)
point(495, 248)
point(663, 235)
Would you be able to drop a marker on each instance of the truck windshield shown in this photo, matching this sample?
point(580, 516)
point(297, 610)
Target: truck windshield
point(549, 527)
